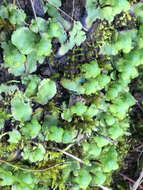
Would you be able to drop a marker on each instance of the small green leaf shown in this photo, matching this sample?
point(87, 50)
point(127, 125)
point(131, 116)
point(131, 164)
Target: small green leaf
point(14, 60)
point(14, 136)
point(24, 40)
point(79, 108)
point(115, 131)
point(77, 36)
point(91, 86)
point(26, 178)
point(43, 25)
point(31, 62)
point(6, 179)
point(54, 133)
point(38, 153)
point(3, 12)
point(9, 176)
point(3, 117)
point(67, 115)
point(46, 91)
point(124, 42)
point(101, 141)
point(92, 11)
point(34, 154)
point(103, 80)
point(21, 111)
point(112, 93)
point(31, 129)
point(16, 16)
point(90, 70)
point(91, 149)
point(91, 111)
point(73, 85)
point(129, 99)
point(137, 9)
point(110, 120)
point(68, 136)
point(44, 46)
point(7, 89)
point(83, 179)
point(54, 29)
point(109, 159)
point(32, 86)
point(99, 178)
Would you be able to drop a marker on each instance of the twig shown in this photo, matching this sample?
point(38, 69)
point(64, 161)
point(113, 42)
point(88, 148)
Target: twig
point(3, 135)
point(107, 138)
point(73, 4)
point(21, 8)
point(138, 104)
point(130, 180)
point(138, 182)
point(138, 160)
point(137, 148)
point(103, 187)
point(31, 170)
point(32, 5)
point(70, 155)
point(69, 146)
point(65, 14)
point(79, 138)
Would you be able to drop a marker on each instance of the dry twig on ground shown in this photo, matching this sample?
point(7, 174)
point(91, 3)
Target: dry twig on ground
point(138, 182)
point(130, 180)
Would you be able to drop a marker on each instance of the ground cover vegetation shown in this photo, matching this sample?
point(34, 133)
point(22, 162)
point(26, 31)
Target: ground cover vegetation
point(64, 92)
point(129, 175)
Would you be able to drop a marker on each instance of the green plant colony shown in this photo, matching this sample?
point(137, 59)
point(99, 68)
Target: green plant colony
point(50, 140)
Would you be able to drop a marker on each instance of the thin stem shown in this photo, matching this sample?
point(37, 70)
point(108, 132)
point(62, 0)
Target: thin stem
point(138, 182)
point(140, 107)
point(34, 12)
point(31, 170)
point(65, 14)
point(3, 135)
point(21, 8)
point(73, 4)
point(130, 180)
point(107, 138)
point(70, 155)
point(103, 187)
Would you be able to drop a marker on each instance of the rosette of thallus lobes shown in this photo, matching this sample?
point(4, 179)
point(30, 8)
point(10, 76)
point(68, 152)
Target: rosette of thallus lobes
point(65, 131)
